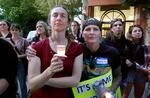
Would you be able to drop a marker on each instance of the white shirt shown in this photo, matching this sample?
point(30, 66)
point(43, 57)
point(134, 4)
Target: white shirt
point(31, 34)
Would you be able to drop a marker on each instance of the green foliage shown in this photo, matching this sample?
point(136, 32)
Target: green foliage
point(144, 3)
point(128, 2)
point(28, 12)
point(42, 7)
point(22, 12)
point(73, 6)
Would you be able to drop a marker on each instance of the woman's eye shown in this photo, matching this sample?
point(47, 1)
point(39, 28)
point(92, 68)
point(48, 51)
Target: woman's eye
point(63, 16)
point(95, 29)
point(54, 15)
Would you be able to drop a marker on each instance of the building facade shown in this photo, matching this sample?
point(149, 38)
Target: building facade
point(106, 10)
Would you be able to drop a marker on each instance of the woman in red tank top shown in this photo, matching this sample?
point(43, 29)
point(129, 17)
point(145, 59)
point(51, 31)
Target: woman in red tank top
point(51, 75)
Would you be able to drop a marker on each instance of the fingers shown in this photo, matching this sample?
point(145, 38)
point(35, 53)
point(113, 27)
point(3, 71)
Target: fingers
point(129, 63)
point(56, 64)
point(62, 57)
point(57, 59)
point(30, 52)
point(57, 68)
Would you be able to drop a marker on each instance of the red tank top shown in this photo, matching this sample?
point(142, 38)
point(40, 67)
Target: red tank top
point(45, 53)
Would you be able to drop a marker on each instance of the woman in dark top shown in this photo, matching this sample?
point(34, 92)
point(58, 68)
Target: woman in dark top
point(75, 32)
point(99, 59)
point(116, 38)
point(135, 57)
point(8, 70)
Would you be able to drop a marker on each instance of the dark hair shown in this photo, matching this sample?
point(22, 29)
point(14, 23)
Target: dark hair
point(8, 24)
point(15, 26)
point(110, 35)
point(78, 27)
point(115, 20)
point(92, 21)
point(129, 34)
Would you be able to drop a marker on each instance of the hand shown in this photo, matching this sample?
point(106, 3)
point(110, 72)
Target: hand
point(107, 95)
point(62, 57)
point(30, 52)
point(56, 64)
point(129, 63)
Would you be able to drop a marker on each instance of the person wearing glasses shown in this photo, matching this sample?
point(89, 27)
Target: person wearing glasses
point(99, 59)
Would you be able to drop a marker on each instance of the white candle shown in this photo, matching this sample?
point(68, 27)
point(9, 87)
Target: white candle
point(61, 49)
point(108, 95)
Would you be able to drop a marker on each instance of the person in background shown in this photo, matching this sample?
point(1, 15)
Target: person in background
point(135, 58)
point(51, 75)
point(75, 32)
point(116, 38)
point(4, 29)
point(20, 45)
point(42, 31)
point(8, 70)
point(30, 35)
point(99, 59)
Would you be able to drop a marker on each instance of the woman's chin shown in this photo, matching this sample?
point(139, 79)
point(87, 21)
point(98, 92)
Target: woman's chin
point(93, 42)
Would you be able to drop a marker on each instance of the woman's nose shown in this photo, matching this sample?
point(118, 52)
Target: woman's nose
point(59, 17)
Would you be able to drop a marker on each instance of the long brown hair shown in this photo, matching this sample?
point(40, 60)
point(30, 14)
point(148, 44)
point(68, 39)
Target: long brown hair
point(45, 27)
point(129, 34)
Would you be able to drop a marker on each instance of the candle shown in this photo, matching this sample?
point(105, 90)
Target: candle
point(61, 50)
point(108, 95)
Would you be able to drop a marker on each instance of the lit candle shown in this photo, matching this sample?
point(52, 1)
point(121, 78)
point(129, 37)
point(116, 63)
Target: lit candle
point(61, 50)
point(108, 95)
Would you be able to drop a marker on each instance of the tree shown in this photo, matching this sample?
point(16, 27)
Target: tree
point(22, 12)
point(28, 12)
point(72, 6)
point(42, 7)
point(135, 2)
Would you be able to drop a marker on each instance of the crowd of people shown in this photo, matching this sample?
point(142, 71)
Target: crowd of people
point(35, 69)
